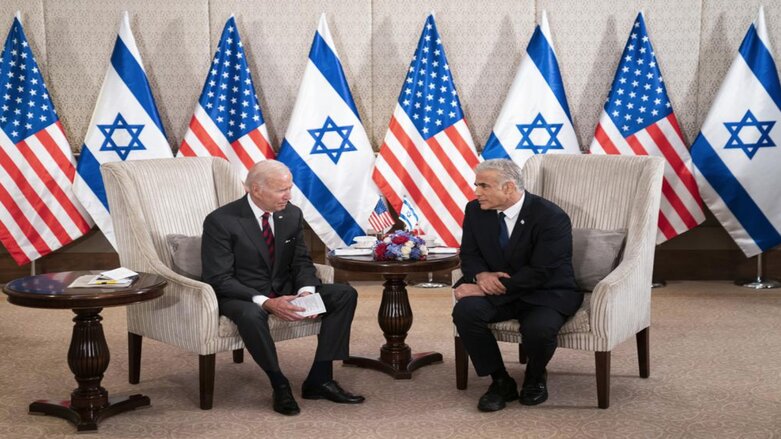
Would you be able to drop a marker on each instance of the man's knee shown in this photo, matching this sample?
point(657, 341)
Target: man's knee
point(466, 310)
point(339, 294)
point(251, 315)
point(539, 332)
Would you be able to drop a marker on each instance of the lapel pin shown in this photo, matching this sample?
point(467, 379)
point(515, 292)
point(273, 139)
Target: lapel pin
point(523, 222)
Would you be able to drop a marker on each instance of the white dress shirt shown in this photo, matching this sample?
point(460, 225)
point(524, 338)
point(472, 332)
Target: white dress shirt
point(511, 214)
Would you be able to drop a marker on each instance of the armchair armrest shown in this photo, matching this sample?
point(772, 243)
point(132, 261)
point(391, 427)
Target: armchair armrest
point(325, 273)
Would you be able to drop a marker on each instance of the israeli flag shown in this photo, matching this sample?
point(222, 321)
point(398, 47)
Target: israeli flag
point(737, 153)
point(408, 215)
point(535, 118)
point(125, 125)
point(328, 151)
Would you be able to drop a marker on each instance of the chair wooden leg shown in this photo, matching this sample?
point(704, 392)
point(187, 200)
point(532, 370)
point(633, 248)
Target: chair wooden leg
point(134, 357)
point(644, 352)
point(238, 355)
point(521, 354)
point(462, 364)
point(206, 379)
point(602, 360)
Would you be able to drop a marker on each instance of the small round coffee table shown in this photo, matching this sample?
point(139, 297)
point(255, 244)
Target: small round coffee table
point(395, 314)
point(88, 355)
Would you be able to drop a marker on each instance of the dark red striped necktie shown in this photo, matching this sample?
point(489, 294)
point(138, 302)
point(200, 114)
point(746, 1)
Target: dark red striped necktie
point(268, 236)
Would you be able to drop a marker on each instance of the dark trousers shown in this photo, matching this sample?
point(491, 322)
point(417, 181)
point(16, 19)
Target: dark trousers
point(539, 327)
point(333, 342)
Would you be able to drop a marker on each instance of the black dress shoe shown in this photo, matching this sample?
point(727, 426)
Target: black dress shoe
point(501, 391)
point(534, 390)
point(284, 402)
point(331, 391)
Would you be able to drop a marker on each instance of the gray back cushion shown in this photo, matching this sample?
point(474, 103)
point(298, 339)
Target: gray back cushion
point(185, 255)
point(595, 253)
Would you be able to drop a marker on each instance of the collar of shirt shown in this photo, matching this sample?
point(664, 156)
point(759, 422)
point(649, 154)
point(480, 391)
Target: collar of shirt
point(258, 212)
point(511, 214)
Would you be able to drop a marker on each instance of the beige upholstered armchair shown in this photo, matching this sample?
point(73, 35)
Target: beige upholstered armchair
point(607, 193)
point(151, 200)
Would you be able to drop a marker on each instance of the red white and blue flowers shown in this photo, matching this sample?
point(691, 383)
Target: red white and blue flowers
point(400, 246)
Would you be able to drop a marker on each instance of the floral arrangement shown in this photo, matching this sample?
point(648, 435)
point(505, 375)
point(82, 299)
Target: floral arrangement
point(400, 246)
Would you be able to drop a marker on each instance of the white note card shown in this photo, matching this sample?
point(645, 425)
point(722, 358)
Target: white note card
point(118, 273)
point(353, 251)
point(313, 304)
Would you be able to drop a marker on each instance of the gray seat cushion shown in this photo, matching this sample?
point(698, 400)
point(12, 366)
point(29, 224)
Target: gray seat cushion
point(185, 255)
point(595, 253)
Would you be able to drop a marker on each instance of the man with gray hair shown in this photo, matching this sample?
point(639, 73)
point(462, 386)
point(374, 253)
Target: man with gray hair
point(516, 257)
point(255, 258)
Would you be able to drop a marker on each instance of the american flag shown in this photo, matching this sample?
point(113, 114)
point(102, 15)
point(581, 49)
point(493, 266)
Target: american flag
point(380, 218)
point(428, 154)
point(638, 119)
point(227, 121)
point(38, 211)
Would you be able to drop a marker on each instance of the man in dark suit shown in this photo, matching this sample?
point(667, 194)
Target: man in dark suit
point(255, 258)
point(516, 257)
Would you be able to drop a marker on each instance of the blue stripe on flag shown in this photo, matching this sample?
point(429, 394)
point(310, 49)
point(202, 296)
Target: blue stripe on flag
point(89, 170)
point(493, 149)
point(318, 194)
point(760, 60)
point(734, 195)
point(134, 77)
point(328, 63)
point(541, 52)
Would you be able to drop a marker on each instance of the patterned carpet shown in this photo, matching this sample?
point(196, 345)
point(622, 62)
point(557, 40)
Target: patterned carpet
point(715, 372)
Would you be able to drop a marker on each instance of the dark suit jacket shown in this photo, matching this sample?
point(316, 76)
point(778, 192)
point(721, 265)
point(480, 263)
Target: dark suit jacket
point(538, 256)
point(236, 260)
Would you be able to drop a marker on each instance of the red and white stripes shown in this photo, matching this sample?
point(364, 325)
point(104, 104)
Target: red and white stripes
point(38, 210)
point(681, 207)
point(437, 174)
point(204, 139)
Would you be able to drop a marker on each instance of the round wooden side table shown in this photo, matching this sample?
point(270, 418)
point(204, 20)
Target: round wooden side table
point(395, 314)
point(88, 355)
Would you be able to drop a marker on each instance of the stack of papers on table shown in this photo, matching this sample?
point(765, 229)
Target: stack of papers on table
point(117, 278)
point(352, 251)
point(443, 250)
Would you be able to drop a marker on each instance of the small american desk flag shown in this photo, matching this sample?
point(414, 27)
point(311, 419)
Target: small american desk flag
point(38, 211)
point(638, 119)
point(228, 122)
point(380, 218)
point(428, 154)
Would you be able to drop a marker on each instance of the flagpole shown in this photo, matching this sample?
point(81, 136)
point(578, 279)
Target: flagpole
point(760, 283)
point(32, 268)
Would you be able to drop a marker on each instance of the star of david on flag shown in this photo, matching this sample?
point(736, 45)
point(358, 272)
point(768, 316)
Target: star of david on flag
point(529, 142)
point(736, 154)
point(38, 211)
point(228, 121)
point(125, 125)
point(760, 131)
point(535, 117)
point(122, 144)
point(638, 119)
point(428, 155)
point(340, 145)
point(328, 151)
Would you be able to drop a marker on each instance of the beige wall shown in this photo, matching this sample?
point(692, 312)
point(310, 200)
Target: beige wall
point(695, 41)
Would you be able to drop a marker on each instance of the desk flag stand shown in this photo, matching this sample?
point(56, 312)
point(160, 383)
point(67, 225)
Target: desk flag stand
point(760, 283)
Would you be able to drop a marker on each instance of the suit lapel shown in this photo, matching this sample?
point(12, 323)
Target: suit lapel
point(283, 227)
point(252, 229)
point(520, 224)
point(491, 230)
